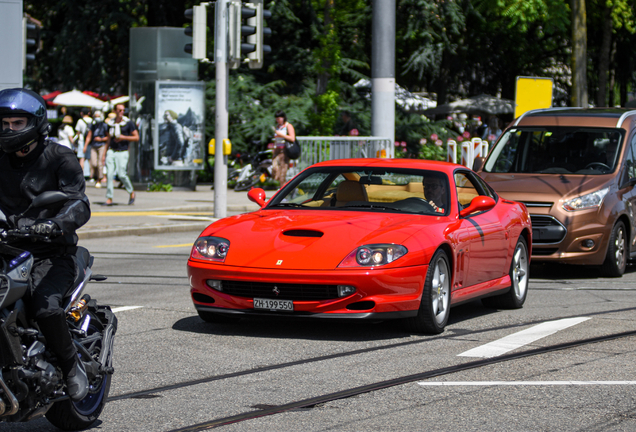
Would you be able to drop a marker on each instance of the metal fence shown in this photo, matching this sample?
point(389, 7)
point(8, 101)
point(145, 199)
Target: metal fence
point(318, 149)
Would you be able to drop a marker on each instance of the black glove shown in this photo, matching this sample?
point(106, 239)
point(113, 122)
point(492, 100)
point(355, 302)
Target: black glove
point(44, 228)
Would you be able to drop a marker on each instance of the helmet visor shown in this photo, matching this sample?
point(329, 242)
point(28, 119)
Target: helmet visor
point(16, 123)
point(20, 101)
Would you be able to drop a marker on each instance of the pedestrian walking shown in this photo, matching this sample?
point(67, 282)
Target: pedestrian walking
point(96, 140)
point(122, 132)
point(66, 134)
point(82, 127)
point(284, 131)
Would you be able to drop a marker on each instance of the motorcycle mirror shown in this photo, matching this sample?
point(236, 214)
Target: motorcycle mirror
point(45, 199)
point(48, 198)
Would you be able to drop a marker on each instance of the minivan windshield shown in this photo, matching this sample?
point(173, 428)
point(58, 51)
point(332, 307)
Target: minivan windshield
point(556, 150)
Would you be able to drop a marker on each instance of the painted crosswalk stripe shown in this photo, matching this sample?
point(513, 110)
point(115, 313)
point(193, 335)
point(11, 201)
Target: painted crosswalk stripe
point(523, 383)
point(524, 337)
point(125, 308)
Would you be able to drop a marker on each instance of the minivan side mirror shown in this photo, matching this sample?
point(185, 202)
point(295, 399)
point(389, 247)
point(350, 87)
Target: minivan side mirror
point(478, 164)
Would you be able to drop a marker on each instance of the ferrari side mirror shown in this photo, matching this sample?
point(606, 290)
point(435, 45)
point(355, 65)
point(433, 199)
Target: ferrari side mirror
point(478, 204)
point(257, 195)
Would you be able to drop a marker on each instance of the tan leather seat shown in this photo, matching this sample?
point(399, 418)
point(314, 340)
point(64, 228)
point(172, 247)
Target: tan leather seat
point(350, 190)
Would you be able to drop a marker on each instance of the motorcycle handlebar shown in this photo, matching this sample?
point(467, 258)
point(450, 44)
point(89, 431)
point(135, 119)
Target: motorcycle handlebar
point(27, 233)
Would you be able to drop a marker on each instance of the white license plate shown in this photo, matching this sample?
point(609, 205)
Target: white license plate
point(274, 305)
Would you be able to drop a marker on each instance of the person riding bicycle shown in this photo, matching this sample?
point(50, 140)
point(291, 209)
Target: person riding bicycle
point(30, 165)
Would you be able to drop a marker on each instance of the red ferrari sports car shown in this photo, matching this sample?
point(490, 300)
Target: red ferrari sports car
point(366, 238)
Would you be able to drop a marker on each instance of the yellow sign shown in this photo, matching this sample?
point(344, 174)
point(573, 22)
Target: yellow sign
point(532, 93)
point(227, 147)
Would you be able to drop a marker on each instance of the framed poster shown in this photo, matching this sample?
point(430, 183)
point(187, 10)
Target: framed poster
point(179, 118)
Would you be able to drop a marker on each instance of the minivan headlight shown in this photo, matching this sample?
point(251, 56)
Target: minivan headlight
point(587, 201)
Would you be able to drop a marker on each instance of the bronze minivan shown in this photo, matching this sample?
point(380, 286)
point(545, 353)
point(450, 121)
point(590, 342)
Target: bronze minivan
point(574, 169)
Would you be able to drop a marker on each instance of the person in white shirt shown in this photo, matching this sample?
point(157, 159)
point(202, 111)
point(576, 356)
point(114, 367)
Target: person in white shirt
point(66, 134)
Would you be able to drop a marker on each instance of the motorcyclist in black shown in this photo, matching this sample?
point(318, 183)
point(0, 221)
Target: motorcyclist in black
point(30, 164)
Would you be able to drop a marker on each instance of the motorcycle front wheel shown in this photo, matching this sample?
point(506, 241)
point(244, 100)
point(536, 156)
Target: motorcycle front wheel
point(69, 415)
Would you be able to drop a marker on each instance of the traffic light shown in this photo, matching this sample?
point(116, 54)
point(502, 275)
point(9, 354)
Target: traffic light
point(253, 30)
point(198, 31)
point(31, 40)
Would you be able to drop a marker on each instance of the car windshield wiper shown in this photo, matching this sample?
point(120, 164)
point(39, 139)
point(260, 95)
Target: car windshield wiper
point(371, 206)
point(288, 204)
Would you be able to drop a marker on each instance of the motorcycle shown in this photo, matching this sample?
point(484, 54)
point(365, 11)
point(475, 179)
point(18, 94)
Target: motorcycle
point(258, 170)
point(31, 381)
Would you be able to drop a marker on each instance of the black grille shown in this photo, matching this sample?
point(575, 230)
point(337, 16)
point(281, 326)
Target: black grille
point(544, 251)
point(285, 291)
point(546, 230)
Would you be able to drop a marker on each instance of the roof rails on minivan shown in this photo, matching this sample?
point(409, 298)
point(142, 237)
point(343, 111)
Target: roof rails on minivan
point(542, 110)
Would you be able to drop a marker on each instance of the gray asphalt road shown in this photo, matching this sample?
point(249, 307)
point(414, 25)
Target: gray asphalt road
point(196, 373)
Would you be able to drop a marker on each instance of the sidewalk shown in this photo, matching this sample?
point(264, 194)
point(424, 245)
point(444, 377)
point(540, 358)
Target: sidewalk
point(157, 212)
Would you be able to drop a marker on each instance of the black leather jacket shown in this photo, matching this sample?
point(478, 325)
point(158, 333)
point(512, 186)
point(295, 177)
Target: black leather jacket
point(49, 167)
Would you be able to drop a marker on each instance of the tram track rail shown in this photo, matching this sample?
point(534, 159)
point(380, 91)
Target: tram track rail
point(380, 385)
point(266, 410)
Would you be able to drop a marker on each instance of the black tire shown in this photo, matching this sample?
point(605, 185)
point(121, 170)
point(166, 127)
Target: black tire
point(519, 277)
point(249, 182)
point(72, 416)
point(216, 318)
point(434, 309)
point(616, 258)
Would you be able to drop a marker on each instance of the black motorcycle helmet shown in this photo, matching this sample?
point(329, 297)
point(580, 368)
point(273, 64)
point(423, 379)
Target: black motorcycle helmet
point(19, 102)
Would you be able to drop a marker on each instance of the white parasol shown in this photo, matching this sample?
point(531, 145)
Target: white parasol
point(76, 98)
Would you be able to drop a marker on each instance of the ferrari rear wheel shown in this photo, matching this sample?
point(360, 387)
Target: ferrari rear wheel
point(519, 275)
point(435, 305)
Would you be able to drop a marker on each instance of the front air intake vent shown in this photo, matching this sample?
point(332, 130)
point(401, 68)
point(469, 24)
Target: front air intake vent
point(303, 233)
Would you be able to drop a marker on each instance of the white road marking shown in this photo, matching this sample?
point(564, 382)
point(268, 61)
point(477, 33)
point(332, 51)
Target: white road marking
point(524, 337)
point(523, 383)
point(125, 308)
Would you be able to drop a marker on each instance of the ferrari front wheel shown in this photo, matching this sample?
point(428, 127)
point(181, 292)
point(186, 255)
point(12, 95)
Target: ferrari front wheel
point(433, 313)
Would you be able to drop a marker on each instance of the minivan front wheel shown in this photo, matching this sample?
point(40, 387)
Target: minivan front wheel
point(616, 259)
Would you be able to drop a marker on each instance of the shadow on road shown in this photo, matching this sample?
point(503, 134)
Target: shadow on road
point(569, 271)
point(323, 329)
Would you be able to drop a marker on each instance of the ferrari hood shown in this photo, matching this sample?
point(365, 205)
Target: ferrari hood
point(309, 240)
point(543, 187)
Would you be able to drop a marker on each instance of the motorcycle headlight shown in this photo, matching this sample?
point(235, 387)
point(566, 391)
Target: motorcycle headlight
point(587, 201)
point(210, 248)
point(373, 255)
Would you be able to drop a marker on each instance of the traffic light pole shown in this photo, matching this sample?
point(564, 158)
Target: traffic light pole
point(383, 69)
point(221, 129)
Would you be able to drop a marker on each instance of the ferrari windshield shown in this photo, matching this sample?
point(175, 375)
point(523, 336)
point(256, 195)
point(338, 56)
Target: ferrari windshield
point(556, 150)
point(377, 189)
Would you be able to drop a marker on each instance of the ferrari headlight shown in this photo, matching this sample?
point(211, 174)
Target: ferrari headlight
point(373, 255)
point(210, 248)
point(591, 200)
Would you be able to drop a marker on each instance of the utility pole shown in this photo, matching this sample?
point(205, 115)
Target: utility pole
point(383, 70)
point(221, 129)
point(579, 54)
point(11, 48)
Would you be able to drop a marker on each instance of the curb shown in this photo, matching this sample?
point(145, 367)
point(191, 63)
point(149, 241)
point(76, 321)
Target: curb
point(158, 229)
